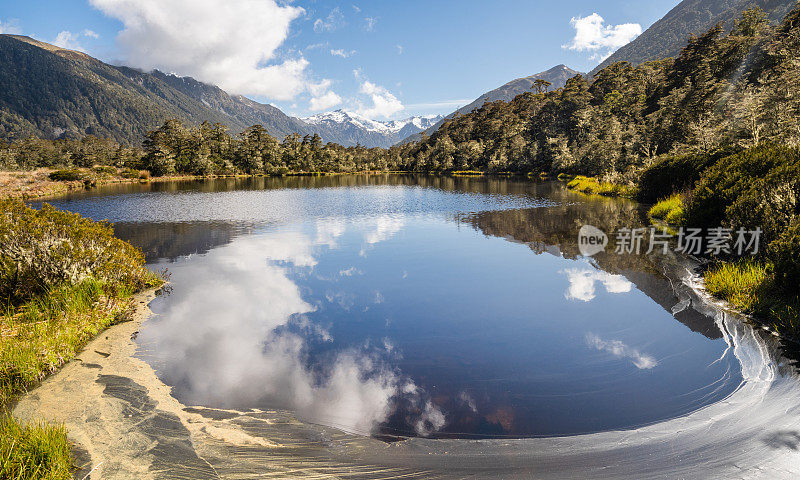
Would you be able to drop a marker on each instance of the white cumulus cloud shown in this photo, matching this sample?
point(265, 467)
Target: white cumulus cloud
point(232, 44)
point(384, 103)
point(593, 35)
point(322, 98)
point(325, 101)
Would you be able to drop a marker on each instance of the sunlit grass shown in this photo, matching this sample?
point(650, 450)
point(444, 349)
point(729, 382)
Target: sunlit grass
point(48, 331)
point(671, 210)
point(593, 186)
point(749, 286)
point(34, 451)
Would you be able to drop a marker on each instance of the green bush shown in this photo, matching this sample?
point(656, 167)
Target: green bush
point(785, 254)
point(42, 249)
point(679, 173)
point(129, 173)
point(757, 188)
point(105, 169)
point(68, 175)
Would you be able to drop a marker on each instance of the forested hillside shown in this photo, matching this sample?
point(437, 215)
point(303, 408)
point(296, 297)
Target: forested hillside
point(668, 36)
point(556, 77)
point(734, 89)
point(49, 92)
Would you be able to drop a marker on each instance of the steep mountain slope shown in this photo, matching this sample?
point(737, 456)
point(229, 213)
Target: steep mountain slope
point(349, 128)
point(50, 92)
point(557, 76)
point(668, 36)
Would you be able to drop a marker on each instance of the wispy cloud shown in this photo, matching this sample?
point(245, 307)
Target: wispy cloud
point(334, 21)
point(369, 23)
point(340, 52)
point(440, 104)
point(10, 27)
point(72, 41)
point(592, 35)
point(620, 350)
point(399, 49)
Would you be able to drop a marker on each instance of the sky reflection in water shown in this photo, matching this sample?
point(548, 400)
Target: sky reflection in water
point(447, 313)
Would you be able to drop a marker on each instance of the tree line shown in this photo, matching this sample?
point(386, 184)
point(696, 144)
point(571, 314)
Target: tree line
point(729, 90)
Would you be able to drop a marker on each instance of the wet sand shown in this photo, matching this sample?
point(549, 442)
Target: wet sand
point(126, 425)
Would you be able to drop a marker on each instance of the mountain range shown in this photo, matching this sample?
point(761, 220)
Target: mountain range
point(352, 128)
point(557, 76)
point(52, 92)
point(667, 37)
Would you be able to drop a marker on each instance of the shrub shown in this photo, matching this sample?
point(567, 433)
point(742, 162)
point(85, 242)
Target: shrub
point(785, 253)
point(757, 188)
point(35, 451)
point(42, 249)
point(129, 173)
point(68, 175)
point(750, 285)
point(105, 169)
point(676, 174)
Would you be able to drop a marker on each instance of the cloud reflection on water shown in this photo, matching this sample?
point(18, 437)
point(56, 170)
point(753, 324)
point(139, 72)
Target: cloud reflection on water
point(235, 334)
point(582, 283)
point(620, 350)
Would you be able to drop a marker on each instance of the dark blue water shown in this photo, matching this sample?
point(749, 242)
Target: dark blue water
point(414, 306)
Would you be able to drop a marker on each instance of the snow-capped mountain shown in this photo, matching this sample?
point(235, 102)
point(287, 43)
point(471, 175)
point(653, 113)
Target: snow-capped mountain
point(349, 128)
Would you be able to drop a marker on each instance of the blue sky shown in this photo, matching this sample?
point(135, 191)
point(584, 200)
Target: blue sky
point(384, 59)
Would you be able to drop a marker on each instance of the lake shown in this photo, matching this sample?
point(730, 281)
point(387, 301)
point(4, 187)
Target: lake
point(397, 305)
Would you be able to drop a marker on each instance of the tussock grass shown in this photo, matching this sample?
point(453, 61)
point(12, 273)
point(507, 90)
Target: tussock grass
point(671, 209)
point(34, 451)
point(749, 285)
point(48, 331)
point(593, 186)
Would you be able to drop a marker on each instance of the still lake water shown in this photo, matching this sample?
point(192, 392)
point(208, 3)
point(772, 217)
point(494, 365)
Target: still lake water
point(412, 305)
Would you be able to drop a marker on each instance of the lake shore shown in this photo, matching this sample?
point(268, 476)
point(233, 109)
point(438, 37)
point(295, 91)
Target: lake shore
point(125, 424)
